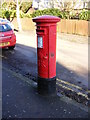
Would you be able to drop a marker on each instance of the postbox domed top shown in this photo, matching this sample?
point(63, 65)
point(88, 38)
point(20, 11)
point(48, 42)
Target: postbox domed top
point(46, 19)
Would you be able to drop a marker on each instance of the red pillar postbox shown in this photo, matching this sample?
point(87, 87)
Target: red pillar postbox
point(46, 53)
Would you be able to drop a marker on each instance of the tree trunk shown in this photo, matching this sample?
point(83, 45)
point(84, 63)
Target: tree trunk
point(18, 18)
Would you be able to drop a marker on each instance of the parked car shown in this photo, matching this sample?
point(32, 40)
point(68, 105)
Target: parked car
point(8, 22)
point(7, 36)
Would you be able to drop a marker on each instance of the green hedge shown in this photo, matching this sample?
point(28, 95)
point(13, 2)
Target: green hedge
point(9, 5)
point(0, 13)
point(22, 15)
point(9, 10)
point(53, 11)
point(24, 7)
point(8, 14)
point(12, 6)
point(12, 13)
point(4, 4)
point(84, 15)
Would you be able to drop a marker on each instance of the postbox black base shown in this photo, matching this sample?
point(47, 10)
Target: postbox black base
point(47, 86)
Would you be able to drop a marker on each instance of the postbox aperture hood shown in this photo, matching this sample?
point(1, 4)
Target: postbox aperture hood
point(46, 18)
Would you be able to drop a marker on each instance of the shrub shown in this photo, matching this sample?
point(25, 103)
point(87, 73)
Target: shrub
point(25, 6)
point(22, 15)
point(4, 4)
point(8, 14)
point(12, 5)
point(52, 11)
point(84, 15)
point(72, 14)
point(9, 5)
point(1, 13)
point(13, 14)
point(27, 15)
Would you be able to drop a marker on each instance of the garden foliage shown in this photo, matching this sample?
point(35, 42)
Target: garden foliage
point(52, 11)
point(25, 6)
point(84, 15)
point(8, 10)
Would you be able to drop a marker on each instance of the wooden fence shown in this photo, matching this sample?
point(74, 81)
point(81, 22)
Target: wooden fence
point(80, 27)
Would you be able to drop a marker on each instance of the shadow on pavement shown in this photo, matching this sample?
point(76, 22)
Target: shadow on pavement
point(23, 60)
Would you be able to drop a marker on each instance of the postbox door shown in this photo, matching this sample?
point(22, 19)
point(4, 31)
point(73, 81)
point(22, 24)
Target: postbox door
point(43, 59)
point(42, 51)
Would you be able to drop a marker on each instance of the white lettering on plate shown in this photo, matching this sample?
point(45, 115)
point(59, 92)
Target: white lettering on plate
point(40, 42)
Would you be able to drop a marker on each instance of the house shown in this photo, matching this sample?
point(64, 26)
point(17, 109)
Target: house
point(76, 4)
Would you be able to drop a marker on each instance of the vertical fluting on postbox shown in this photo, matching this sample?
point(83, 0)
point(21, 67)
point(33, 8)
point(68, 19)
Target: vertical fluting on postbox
point(46, 53)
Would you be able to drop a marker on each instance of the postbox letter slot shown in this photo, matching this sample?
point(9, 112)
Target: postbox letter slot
point(41, 31)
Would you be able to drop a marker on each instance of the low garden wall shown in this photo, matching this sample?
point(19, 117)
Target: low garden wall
point(80, 27)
